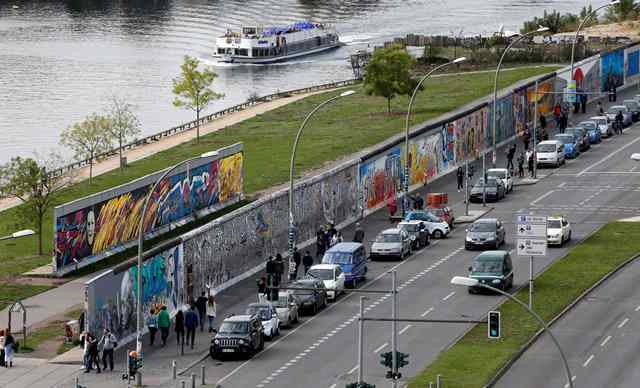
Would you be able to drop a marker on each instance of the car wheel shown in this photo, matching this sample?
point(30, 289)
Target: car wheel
point(437, 233)
point(470, 290)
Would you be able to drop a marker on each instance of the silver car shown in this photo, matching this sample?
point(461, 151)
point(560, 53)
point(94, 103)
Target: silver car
point(391, 243)
point(626, 114)
point(286, 308)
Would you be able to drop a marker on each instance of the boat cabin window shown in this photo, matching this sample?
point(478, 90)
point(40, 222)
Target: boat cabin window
point(248, 30)
point(242, 52)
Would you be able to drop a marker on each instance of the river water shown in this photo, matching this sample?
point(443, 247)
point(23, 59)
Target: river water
point(62, 60)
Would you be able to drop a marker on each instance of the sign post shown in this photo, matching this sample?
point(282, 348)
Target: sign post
point(532, 241)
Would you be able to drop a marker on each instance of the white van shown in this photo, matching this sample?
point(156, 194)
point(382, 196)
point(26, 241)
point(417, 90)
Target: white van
point(550, 152)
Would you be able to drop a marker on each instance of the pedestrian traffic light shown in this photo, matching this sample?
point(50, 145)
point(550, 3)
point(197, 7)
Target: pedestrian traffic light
point(403, 359)
point(494, 324)
point(387, 359)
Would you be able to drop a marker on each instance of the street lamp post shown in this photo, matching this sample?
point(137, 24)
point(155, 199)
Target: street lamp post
point(406, 130)
point(140, 249)
point(18, 234)
point(470, 282)
point(292, 238)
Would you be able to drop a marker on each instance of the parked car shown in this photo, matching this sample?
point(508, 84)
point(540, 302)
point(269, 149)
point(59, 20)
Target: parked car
point(287, 308)
point(570, 144)
point(603, 124)
point(626, 114)
point(238, 335)
point(437, 227)
point(581, 135)
point(493, 190)
point(593, 132)
point(391, 243)
point(418, 233)
point(269, 317)
point(485, 233)
point(331, 275)
point(634, 107)
point(493, 268)
point(558, 230)
point(310, 300)
point(550, 152)
point(445, 213)
point(503, 175)
point(352, 259)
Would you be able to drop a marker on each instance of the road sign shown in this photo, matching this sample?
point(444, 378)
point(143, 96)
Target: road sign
point(532, 230)
point(532, 247)
point(533, 220)
point(570, 95)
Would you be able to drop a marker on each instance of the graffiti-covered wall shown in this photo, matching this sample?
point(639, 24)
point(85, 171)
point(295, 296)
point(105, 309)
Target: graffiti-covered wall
point(612, 69)
point(586, 73)
point(112, 296)
point(632, 65)
point(91, 228)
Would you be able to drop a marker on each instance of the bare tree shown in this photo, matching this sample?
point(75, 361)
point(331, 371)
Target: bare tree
point(123, 123)
point(88, 138)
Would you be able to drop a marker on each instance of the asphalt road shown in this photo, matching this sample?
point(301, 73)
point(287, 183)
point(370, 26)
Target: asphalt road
point(599, 186)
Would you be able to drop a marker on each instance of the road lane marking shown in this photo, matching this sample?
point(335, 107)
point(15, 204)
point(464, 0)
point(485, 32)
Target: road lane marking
point(333, 385)
point(355, 368)
point(448, 296)
point(562, 184)
point(573, 378)
point(605, 341)
point(608, 157)
point(404, 329)
point(543, 196)
point(384, 345)
point(638, 308)
point(430, 309)
point(586, 363)
point(624, 322)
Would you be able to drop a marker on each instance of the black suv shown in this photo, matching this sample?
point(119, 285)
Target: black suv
point(238, 335)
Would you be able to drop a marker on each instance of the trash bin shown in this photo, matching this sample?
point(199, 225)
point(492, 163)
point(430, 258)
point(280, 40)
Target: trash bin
point(71, 331)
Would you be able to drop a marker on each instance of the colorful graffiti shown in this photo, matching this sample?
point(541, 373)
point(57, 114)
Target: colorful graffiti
point(381, 177)
point(520, 111)
point(106, 224)
point(425, 155)
point(505, 126)
point(546, 99)
point(612, 64)
point(112, 296)
point(470, 135)
point(633, 63)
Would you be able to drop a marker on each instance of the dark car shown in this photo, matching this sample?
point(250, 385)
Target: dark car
point(494, 190)
point(570, 144)
point(418, 233)
point(493, 268)
point(634, 107)
point(582, 136)
point(238, 335)
point(485, 233)
point(310, 300)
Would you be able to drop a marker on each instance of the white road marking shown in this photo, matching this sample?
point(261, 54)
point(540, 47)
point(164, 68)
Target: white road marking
point(543, 196)
point(613, 172)
point(608, 156)
point(448, 296)
point(586, 363)
point(573, 378)
point(633, 168)
point(562, 184)
point(380, 347)
point(333, 385)
point(624, 322)
point(430, 309)
point(404, 329)
point(605, 341)
point(638, 308)
point(355, 368)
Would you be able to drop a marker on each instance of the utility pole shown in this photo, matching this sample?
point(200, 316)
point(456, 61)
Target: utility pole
point(466, 187)
point(535, 133)
point(394, 332)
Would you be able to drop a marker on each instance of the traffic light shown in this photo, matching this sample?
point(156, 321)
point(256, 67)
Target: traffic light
point(387, 359)
point(494, 324)
point(403, 359)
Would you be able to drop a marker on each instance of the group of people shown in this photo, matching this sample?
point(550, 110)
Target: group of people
point(8, 346)
point(325, 239)
point(94, 347)
point(561, 116)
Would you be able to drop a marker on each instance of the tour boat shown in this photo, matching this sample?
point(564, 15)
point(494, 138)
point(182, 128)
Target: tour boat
point(273, 44)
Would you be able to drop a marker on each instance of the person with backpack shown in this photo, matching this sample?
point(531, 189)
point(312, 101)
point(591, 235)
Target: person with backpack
point(531, 153)
point(460, 178)
point(510, 155)
point(358, 235)
point(297, 260)
point(152, 325)
point(307, 261)
point(94, 353)
point(211, 311)
point(164, 323)
point(201, 305)
point(619, 122)
point(108, 342)
point(191, 324)
point(521, 165)
point(262, 289)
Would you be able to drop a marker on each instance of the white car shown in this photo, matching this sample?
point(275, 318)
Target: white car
point(331, 275)
point(550, 152)
point(504, 175)
point(391, 243)
point(286, 308)
point(437, 228)
point(268, 316)
point(558, 230)
point(603, 124)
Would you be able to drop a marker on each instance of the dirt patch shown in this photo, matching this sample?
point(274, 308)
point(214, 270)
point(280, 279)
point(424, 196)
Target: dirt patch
point(630, 29)
point(35, 281)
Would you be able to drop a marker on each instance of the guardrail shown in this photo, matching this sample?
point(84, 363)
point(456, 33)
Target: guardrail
point(203, 120)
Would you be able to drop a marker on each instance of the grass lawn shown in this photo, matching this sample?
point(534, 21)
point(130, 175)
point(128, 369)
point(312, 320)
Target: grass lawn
point(345, 127)
point(472, 361)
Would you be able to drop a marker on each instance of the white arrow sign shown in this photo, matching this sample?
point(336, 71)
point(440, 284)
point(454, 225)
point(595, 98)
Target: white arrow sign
point(532, 247)
point(532, 230)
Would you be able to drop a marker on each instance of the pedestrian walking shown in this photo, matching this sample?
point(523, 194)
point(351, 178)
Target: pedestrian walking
point(85, 344)
point(164, 323)
point(10, 347)
point(557, 114)
point(279, 269)
point(211, 312)
point(331, 231)
point(297, 260)
point(94, 356)
point(178, 327)
point(521, 165)
point(511, 153)
point(320, 242)
point(530, 159)
point(564, 120)
point(619, 122)
point(307, 261)
point(191, 324)
point(460, 178)
point(201, 305)
point(583, 102)
point(358, 235)
point(600, 109)
point(337, 238)
point(108, 343)
point(543, 122)
point(270, 269)
point(262, 289)
point(2, 363)
point(152, 325)
point(526, 138)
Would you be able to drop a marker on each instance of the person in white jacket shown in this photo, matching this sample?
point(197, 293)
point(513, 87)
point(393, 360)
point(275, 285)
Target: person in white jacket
point(211, 311)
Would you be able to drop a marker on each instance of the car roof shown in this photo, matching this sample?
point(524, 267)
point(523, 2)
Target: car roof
point(347, 247)
point(598, 118)
point(587, 121)
point(563, 135)
point(260, 304)
point(618, 107)
point(303, 282)
point(498, 169)
point(391, 231)
point(239, 318)
point(549, 142)
point(630, 100)
point(485, 221)
point(412, 222)
point(491, 255)
point(324, 266)
point(555, 218)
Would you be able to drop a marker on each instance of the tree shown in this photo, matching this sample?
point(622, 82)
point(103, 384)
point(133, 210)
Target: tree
point(388, 73)
point(625, 10)
point(193, 89)
point(123, 122)
point(88, 138)
point(27, 180)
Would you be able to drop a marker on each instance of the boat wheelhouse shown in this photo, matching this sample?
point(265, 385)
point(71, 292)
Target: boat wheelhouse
point(272, 44)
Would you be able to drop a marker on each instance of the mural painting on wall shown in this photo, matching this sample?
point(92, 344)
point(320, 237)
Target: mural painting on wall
point(505, 125)
point(546, 100)
point(520, 111)
point(633, 63)
point(425, 153)
point(381, 178)
point(447, 147)
point(163, 283)
point(107, 224)
point(469, 135)
point(612, 65)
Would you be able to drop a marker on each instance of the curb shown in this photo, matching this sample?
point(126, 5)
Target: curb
point(484, 213)
point(194, 363)
point(505, 368)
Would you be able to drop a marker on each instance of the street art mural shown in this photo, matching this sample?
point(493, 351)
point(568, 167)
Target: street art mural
point(381, 177)
point(633, 64)
point(612, 65)
point(230, 246)
point(108, 224)
point(470, 135)
point(586, 74)
point(520, 111)
point(546, 99)
point(112, 296)
point(505, 125)
point(425, 155)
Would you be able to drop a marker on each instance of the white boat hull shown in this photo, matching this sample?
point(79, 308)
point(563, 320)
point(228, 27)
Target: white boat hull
point(279, 58)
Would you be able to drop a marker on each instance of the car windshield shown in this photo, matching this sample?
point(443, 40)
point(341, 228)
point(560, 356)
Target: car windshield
point(302, 292)
point(487, 266)
point(554, 224)
point(577, 132)
point(337, 258)
point(483, 227)
point(631, 104)
point(565, 139)
point(234, 327)
point(321, 273)
point(388, 238)
point(490, 183)
point(409, 227)
point(262, 311)
point(497, 174)
point(546, 148)
point(614, 110)
point(421, 216)
point(588, 125)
